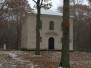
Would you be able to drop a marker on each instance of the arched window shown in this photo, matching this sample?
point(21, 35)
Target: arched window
point(51, 25)
point(40, 39)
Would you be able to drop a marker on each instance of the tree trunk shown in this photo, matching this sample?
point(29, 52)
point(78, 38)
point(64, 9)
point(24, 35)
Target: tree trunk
point(18, 46)
point(65, 39)
point(37, 29)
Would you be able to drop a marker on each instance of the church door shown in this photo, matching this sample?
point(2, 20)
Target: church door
point(51, 43)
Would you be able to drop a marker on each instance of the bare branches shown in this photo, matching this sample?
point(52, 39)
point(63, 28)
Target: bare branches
point(41, 2)
point(6, 1)
point(46, 4)
point(35, 1)
point(12, 14)
point(3, 5)
point(89, 2)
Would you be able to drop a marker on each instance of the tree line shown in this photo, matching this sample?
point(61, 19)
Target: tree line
point(82, 24)
point(12, 13)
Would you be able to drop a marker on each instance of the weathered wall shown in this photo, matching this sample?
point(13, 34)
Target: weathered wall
point(45, 33)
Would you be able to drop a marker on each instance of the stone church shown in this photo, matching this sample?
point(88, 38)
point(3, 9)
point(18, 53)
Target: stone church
point(50, 31)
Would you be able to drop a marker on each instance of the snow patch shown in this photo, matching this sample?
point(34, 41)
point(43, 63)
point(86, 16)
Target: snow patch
point(13, 55)
point(37, 56)
point(0, 65)
point(49, 12)
point(62, 67)
point(33, 66)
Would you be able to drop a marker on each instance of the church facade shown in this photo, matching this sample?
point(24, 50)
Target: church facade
point(50, 31)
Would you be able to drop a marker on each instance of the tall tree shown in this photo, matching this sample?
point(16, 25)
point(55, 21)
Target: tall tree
point(39, 4)
point(89, 2)
point(37, 28)
point(64, 62)
point(18, 9)
point(13, 12)
point(81, 23)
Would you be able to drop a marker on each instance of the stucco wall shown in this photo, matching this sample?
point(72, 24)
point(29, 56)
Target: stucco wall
point(71, 34)
point(24, 33)
point(45, 33)
point(31, 32)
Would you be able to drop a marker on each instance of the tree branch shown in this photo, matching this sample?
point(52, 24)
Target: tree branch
point(35, 1)
point(41, 2)
point(1, 9)
point(4, 4)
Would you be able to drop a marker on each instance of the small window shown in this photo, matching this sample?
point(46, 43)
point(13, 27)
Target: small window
point(40, 39)
point(51, 25)
point(61, 40)
point(40, 24)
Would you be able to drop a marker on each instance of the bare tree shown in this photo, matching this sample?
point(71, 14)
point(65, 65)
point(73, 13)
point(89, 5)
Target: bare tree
point(82, 16)
point(64, 62)
point(13, 12)
point(89, 2)
point(39, 4)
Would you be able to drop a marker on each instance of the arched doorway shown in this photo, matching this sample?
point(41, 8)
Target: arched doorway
point(51, 43)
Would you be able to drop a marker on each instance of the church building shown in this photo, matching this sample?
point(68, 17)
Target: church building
point(50, 31)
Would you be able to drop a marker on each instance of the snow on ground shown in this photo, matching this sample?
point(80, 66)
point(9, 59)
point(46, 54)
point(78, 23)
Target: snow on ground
point(60, 67)
point(47, 59)
point(15, 61)
point(13, 55)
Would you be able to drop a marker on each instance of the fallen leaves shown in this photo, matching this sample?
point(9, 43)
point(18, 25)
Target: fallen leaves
point(47, 59)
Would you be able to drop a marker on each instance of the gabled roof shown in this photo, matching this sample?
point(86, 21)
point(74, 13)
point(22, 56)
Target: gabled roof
point(48, 12)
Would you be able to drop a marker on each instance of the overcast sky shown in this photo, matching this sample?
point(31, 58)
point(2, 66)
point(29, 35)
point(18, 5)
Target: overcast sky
point(55, 3)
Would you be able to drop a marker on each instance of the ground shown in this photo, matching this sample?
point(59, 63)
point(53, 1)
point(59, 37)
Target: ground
point(47, 59)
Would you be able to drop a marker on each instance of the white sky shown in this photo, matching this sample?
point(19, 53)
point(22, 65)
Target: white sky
point(55, 3)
